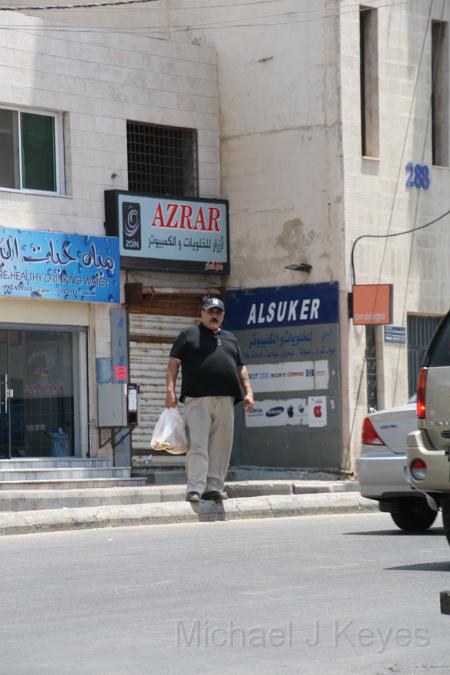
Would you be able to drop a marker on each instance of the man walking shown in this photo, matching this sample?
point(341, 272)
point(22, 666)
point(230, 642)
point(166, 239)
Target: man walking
point(214, 378)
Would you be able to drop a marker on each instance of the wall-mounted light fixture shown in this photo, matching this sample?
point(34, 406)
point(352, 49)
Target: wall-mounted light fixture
point(300, 267)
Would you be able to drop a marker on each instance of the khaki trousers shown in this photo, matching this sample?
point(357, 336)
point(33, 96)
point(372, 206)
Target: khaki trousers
point(210, 425)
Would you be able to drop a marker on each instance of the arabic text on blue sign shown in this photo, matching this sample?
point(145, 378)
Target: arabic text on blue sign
point(282, 306)
point(59, 266)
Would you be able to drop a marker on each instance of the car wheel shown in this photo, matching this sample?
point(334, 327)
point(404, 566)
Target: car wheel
point(445, 505)
point(415, 516)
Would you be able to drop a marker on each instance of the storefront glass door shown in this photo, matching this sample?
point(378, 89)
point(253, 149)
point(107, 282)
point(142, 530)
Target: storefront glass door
point(38, 392)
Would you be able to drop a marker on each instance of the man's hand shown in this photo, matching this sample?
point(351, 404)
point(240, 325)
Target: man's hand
point(171, 400)
point(249, 402)
point(247, 387)
point(171, 379)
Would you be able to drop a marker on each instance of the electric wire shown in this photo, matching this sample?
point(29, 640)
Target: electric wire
point(112, 3)
point(398, 234)
point(331, 13)
point(250, 22)
point(397, 183)
point(412, 243)
point(388, 234)
point(258, 22)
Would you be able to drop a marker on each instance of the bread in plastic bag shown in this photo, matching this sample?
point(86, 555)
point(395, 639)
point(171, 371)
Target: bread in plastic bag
point(169, 434)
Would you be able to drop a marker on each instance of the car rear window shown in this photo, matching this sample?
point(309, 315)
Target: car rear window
point(439, 349)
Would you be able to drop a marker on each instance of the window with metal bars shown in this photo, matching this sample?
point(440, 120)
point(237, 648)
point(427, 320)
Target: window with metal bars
point(420, 331)
point(162, 160)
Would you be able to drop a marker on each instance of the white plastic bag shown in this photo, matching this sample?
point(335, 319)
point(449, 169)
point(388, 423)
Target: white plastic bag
point(169, 434)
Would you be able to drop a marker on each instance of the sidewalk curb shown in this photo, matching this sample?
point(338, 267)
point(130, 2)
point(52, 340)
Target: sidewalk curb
point(164, 513)
point(49, 499)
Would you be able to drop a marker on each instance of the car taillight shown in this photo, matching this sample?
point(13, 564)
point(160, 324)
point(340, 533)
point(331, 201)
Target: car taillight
point(369, 435)
point(421, 406)
point(418, 469)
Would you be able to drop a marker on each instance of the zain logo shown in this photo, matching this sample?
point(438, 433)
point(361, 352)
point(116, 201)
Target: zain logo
point(131, 218)
point(132, 223)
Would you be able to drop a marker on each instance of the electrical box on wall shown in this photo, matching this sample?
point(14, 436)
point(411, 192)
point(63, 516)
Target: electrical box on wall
point(118, 405)
point(133, 405)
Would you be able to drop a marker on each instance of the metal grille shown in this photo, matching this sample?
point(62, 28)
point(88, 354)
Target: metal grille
point(420, 331)
point(162, 160)
point(371, 365)
point(151, 338)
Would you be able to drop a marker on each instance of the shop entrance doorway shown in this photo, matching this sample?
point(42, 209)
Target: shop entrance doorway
point(39, 392)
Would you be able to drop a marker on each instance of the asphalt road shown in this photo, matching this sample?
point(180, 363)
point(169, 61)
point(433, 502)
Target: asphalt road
point(347, 594)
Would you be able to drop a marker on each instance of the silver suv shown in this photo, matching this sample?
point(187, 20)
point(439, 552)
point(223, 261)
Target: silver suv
point(428, 452)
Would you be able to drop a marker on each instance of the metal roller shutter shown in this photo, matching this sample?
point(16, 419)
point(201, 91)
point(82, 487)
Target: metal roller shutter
point(150, 339)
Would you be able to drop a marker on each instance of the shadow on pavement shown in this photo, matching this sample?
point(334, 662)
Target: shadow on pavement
point(395, 532)
point(421, 567)
point(209, 511)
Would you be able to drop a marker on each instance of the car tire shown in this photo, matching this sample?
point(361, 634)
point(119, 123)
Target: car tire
point(415, 516)
point(445, 506)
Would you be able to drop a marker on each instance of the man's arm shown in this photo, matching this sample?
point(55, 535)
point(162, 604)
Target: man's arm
point(245, 383)
point(171, 379)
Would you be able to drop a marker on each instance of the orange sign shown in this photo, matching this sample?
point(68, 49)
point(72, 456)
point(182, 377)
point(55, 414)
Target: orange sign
point(372, 304)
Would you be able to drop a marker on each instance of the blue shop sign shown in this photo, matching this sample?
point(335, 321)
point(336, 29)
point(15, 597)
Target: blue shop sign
point(59, 266)
point(396, 334)
point(282, 306)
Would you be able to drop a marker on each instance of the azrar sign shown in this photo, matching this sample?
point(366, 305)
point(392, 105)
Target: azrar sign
point(161, 233)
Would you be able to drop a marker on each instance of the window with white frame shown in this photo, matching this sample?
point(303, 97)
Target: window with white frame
point(30, 147)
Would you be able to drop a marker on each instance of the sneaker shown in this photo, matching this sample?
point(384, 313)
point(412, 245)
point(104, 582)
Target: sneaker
point(192, 497)
point(216, 495)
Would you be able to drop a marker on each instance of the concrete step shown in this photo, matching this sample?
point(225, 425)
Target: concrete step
point(79, 494)
point(166, 476)
point(22, 463)
point(69, 484)
point(79, 473)
point(33, 499)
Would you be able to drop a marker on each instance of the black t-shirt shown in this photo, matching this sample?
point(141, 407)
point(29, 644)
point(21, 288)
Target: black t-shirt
point(209, 362)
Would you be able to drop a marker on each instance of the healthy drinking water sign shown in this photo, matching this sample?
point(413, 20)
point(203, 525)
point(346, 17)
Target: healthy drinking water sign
point(59, 266)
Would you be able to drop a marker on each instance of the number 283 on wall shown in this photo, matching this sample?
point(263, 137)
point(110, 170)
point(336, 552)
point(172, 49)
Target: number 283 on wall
point(418, 176)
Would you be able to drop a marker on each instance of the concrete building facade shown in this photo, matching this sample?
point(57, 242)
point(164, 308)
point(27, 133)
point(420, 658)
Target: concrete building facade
point(88, 84)
point(302, 172)
point(321, 121)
